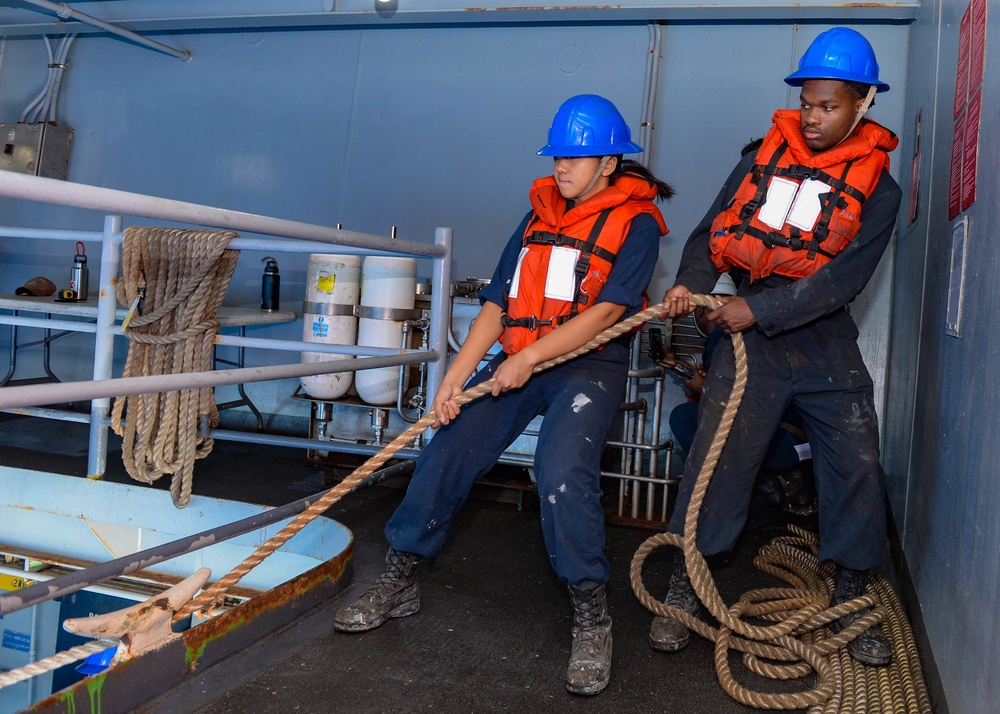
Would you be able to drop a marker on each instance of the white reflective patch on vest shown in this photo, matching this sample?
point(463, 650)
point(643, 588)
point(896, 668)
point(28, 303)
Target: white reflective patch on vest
point(807, 206)
point(516, 280)
point(560, 281)
point(780, 194)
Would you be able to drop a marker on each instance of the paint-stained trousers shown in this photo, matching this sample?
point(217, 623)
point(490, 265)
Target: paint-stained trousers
point(580, 399)
point(818, 368)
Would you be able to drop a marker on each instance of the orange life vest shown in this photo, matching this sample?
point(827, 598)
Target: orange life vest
point(587, 237)
point(850, 170)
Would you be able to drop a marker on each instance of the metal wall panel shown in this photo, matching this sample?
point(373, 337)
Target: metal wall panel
point(942, 431)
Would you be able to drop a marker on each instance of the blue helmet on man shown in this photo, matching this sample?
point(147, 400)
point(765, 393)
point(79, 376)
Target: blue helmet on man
point(589, 125)
point(840, 53)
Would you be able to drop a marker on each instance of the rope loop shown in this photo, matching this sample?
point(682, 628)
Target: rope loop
point(180, 277)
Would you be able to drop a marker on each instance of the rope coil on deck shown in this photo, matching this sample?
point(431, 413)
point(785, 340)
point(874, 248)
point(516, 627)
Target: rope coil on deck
point(800, 612)
point(180, 277)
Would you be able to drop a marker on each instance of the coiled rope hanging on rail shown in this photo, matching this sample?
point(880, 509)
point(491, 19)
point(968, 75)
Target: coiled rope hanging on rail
point(797, 645)
point(180, 277)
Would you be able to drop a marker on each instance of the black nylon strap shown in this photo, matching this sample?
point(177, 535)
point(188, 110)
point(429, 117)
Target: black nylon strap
point(831, 201)
point(804, 172)
point(531, 322)
point(583, 265)
point(758, 197)
point(772, 239)
point(584, 246)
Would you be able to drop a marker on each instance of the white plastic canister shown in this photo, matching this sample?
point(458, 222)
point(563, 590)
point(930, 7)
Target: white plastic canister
point(387, 282)
point(333, 286)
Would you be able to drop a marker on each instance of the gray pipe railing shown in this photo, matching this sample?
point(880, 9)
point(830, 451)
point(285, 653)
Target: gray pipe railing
point(96, 198)
point(33, 394)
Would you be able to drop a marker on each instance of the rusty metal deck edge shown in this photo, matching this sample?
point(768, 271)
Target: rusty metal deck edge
point(131, 684)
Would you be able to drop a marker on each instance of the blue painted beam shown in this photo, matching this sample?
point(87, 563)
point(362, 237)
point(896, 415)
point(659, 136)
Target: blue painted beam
point(162, 15)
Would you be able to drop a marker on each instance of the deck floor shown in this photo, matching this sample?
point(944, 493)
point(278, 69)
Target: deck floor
point(493, 632)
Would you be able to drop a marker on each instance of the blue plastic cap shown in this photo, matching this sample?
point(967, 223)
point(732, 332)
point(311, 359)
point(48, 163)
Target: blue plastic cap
point(97, 662)
point(840, 53)
point(589, 125)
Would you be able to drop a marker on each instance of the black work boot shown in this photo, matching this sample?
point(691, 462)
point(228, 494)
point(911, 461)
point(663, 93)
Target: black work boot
point(394, 594)
point(667, 634)
point(589, 667)
point(871, 647)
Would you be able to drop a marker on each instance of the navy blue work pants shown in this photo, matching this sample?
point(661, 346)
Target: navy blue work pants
point(819, 369)
point(781, 453)
point(580, 399)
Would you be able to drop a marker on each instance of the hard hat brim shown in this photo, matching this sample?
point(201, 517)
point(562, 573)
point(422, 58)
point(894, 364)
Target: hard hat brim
point(797, 78)
point(580, 151)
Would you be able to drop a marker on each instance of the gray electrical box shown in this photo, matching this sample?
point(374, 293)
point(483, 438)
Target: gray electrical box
point(36, 149)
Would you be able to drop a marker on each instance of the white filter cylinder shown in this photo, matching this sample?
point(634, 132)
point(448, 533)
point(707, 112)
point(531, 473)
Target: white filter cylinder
point(333, 287)
point(387, 283)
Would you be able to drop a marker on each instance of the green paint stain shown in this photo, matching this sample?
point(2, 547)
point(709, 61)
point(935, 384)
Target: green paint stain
point(70, 702)
point(94, 688)
point(194, 654)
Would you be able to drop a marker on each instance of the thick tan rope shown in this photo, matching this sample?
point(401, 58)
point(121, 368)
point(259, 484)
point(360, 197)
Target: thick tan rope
point(800, 612)
point(184, 275)
point(52, 662)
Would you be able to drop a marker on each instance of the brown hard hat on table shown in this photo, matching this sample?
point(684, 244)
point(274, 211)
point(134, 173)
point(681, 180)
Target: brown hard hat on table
point(38, 286)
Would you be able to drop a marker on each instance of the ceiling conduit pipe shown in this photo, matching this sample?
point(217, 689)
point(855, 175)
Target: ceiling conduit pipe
point(66, 13)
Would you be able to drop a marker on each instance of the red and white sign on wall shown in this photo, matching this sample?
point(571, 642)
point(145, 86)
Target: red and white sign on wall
point(968, 107)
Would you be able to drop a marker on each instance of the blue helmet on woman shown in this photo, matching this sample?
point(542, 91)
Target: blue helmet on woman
point(589, 125)
point(840, 53)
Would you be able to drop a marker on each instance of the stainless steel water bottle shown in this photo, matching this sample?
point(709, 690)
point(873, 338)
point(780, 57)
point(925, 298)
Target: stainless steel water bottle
point(79, 275)
point(270, 285)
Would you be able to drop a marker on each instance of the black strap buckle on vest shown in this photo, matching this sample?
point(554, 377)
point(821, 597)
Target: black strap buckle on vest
point(798, 171)
point(532, 322)
point(795, 241)
point(543, 237)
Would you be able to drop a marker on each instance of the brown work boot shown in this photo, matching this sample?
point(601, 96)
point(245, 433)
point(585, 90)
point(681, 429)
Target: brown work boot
point(394, 594)
point(871, 647)
point(589, 667)
point(667, 634)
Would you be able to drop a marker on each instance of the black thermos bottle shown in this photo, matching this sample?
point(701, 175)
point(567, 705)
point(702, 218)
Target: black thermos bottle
point(270, 285)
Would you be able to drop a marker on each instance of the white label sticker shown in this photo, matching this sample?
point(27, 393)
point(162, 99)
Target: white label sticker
point(560, 282)
point(780, 194)
point(807, 206)
point(515, 281)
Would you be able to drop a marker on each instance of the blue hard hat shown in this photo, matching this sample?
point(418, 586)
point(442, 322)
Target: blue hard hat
point(840, 53)
point(97, 662)
point(588, 125)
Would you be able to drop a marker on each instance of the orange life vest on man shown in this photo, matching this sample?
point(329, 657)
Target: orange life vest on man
point(842, 179)
point(566, 255)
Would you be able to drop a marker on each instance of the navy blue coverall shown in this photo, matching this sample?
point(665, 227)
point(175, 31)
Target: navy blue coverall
point(803, 350)
point(580, 399)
